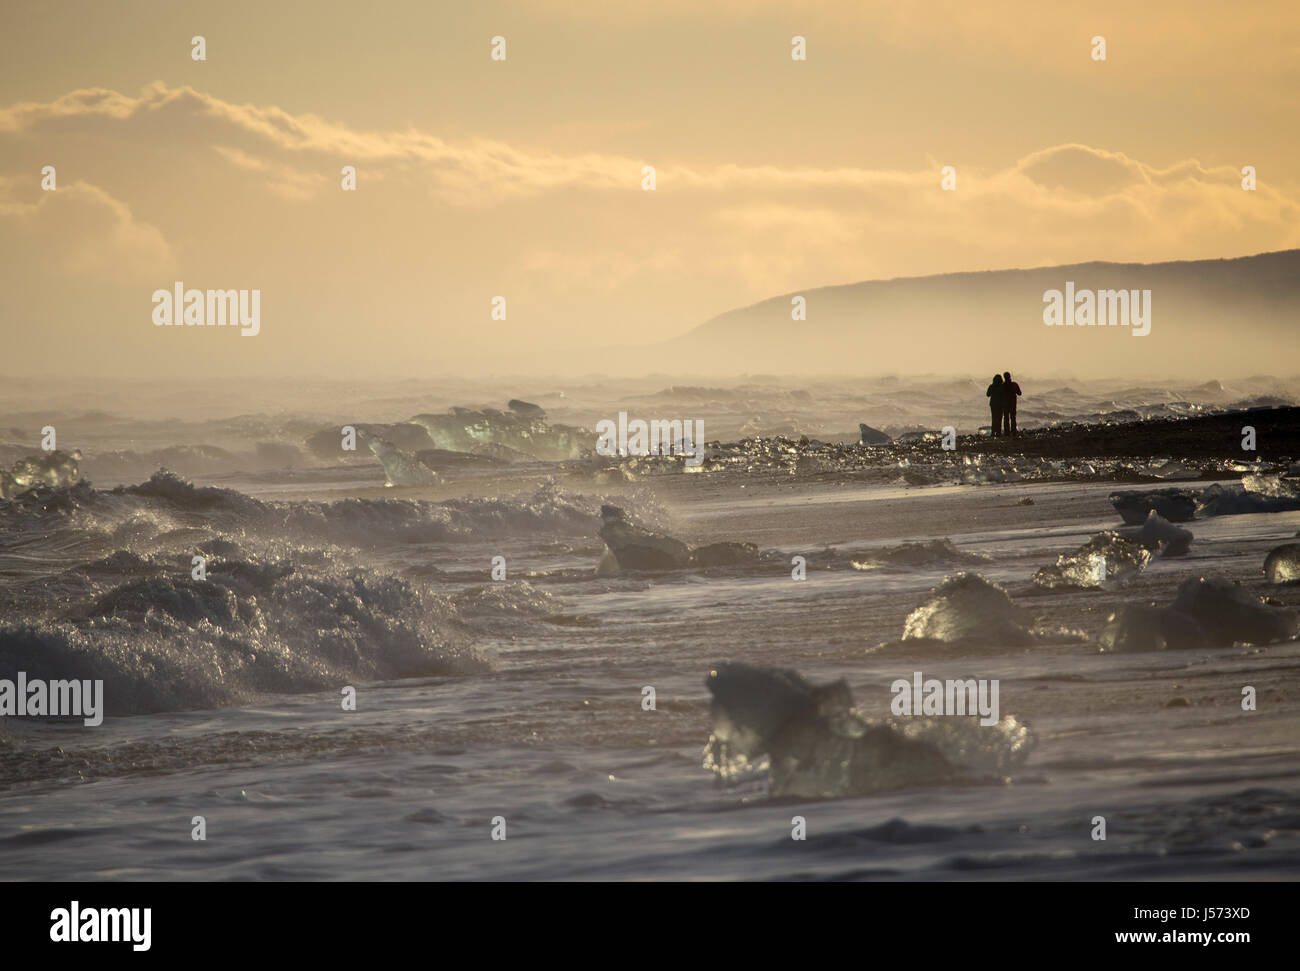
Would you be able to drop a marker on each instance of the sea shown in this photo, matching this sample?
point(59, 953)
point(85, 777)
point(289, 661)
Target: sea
point(403, 663)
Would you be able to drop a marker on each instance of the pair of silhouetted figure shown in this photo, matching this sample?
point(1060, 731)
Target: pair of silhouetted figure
point(1002, 394)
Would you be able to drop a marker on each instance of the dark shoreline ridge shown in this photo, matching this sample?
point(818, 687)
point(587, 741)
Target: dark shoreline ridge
point(1277, 436)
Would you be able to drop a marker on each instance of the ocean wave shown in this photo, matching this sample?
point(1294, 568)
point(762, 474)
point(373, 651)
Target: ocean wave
point(167, 502)
point(162, 640)
point(104, 584)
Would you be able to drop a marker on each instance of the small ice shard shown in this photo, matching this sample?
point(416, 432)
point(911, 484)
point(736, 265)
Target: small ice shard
point(967, 607)
point(1282, 565)
point(915, 436)
point(1259, 465)
point(912, 477)
point(816, 745)
point(401, 468)
point(617, 474)
point(441, 460)
point(637, 548)
point(1161, 535)
point(934, 553)
point(980, 475)
point(1172, 470)
point(1105, 562)
point(872, 436)
point(724, 554)
point(1146, 627)
point(1229, 613)
point(1175, 505)
point(607, 565)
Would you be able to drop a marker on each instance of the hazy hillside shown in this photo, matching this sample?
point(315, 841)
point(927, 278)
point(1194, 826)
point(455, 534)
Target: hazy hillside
point(1244, 311)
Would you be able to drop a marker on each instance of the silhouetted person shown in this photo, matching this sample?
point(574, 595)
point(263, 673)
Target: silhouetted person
point(1010, 391)
point(997, 403)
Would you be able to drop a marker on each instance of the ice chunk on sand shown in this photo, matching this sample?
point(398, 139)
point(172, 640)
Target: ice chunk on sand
point(401, 468)
point(1256, 493)
point(526, 408)
point(814, 744)
point(1282, 565)
point(937, 552)
point(817, 747)
point(633, 547)
point(872, 436)
point(967, 607)
point(525, 431)
point(1160, 535)
point(1146, 627)
point(1273, 486)
point(1175, 505)
point(637, 548)
point(1229, 613)
point(1105, 562)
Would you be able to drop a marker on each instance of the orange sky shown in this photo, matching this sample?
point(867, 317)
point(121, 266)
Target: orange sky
point(522, 178)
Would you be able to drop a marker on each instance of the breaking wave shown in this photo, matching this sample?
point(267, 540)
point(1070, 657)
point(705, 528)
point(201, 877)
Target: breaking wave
point(162, 640)
point(107, 584)
point(168, 501)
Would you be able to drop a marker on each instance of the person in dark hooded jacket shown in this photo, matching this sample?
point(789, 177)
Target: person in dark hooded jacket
point(996, 403)
point(1010, 392)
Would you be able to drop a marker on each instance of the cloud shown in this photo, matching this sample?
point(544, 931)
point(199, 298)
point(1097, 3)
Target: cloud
point(461, 172)
point(1078, 168)
point(289, 182)
point(293, 153)
point(79, 230)
point(248, 196)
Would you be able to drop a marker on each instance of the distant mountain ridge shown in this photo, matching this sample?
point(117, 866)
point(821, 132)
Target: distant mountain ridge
point(1207, 316)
